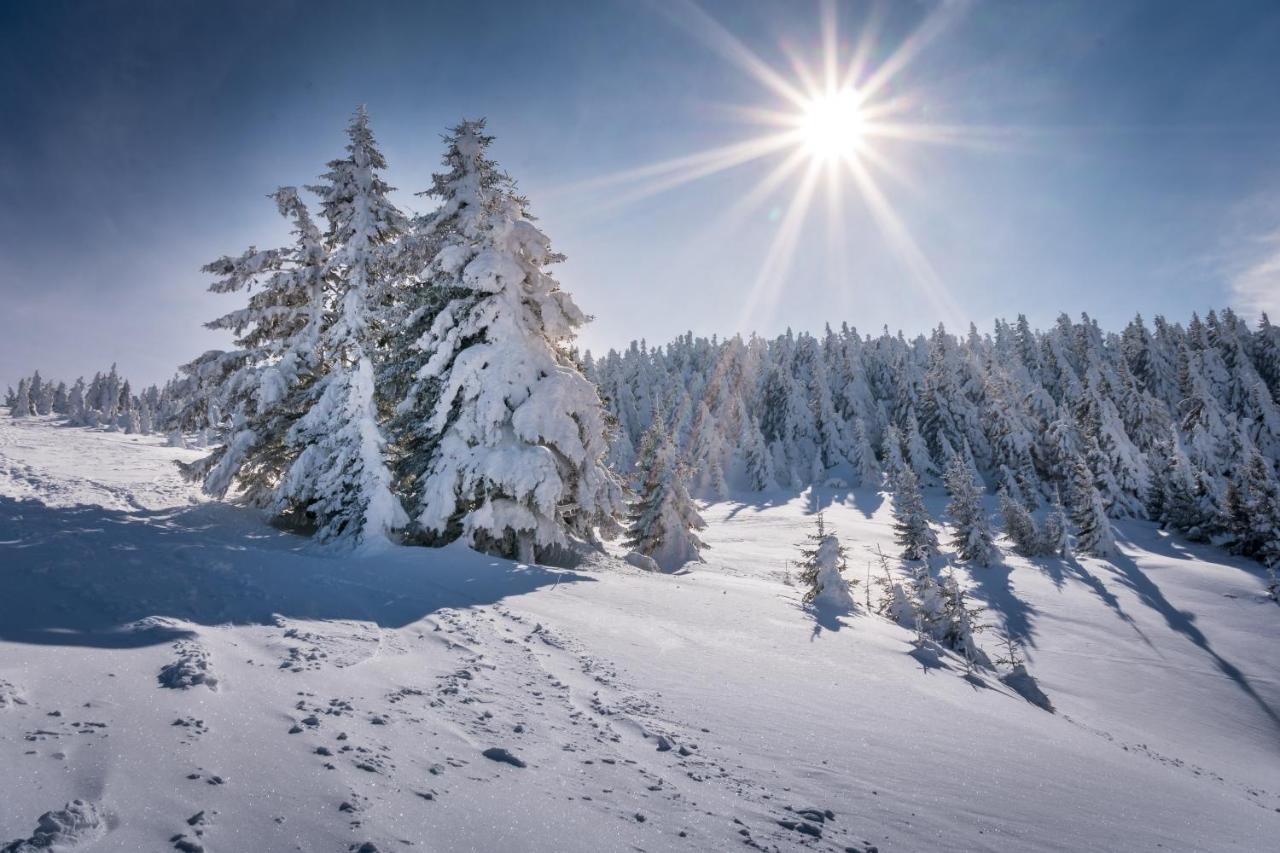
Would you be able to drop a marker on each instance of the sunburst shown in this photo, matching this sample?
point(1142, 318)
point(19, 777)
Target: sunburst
point(832, 127)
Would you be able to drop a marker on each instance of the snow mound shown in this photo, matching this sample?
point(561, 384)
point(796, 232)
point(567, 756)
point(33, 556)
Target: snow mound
point(641, 561)
point(10, 695)
point(192, 667)
point(80, 822)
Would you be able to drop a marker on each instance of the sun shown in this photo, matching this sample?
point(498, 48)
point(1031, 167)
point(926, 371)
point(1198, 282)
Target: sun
point(832, 125)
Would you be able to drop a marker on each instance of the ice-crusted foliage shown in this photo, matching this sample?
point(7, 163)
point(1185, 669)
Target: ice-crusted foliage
point(663, 521)
point(1253, 508)
point(1024, 402)
point(956, 623)
point(822, 565)
point(911, 528)
point(339, 476)
point(971, 536)
point(916, 452)
point(279, 335)
point(756, 459)
point(863, 456)
point(1093, 525)
point(519, 435)
point(1054, 535)
point(109, 402)
point(1019, 525)
point(21, 405)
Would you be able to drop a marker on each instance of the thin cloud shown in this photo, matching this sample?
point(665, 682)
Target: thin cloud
point(1255, 286)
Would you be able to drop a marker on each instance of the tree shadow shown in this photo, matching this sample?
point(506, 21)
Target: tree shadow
point(81, 576)
point(1105, 595)
point(992, 587)
point(825, 618)
point(866, 500)
point(1052, 568)
point(1184, 623)
point(767, 500)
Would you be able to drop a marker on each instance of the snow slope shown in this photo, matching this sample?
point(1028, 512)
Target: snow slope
point(200, 681)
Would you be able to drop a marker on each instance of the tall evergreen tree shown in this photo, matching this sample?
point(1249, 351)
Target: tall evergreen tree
point(519, 434)
point(911, 519)
point(663, 521)
point(1054, 536)
point(971, 535)
point(22, 401)
point(1019, 525)
point(1093, 526)
point(339, 474)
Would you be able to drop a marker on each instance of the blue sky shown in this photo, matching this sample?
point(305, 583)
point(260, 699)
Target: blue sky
point(1111, 158)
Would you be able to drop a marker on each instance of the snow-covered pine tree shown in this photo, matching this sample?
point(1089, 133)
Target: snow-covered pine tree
point(1024, 389)
point(756, 459)
point(971, 536)
point(517, 462)
point(911, 519)
point(893, 459)
point(75, 401)
point(1054, 537)
point(279, 334)
point(663, 521)
point(1253, 509)
point(339, 476)
point(22, 401)
point(916, 452)
point(1019, 525)
point(956, 623)
point(863, 457)
point(822, 564)
point(1093, 526)
point(36, 393)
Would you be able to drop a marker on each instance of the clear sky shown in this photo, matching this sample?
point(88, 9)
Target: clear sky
point(1109, 157)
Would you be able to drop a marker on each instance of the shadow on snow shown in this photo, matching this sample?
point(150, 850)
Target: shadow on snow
point(80, 576)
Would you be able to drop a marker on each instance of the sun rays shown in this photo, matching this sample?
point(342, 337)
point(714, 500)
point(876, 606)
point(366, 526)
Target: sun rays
point(833, 127)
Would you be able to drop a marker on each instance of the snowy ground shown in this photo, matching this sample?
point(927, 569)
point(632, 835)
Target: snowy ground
point(199, 681)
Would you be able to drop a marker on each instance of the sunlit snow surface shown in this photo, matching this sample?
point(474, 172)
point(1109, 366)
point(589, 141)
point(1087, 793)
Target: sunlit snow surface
point(182, 669)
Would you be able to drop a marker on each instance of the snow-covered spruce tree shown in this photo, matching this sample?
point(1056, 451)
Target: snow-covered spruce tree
point(75, 401)
point(893, 461)
point(1253, 510)
point(863, 457)
point(278, 333)
point(756, 459)
point(1019, 525)
point(894, 601)
point(1026, 389)
point(22, 401)
point(338, 475)
point(971, 536)
point(1054, 536)
point(1093, 526)
point(519, 435)
point(911, 528)
point(36, 393)
point(663, 521)
point(916, 451)
point(956, 623)
point(821, 566)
